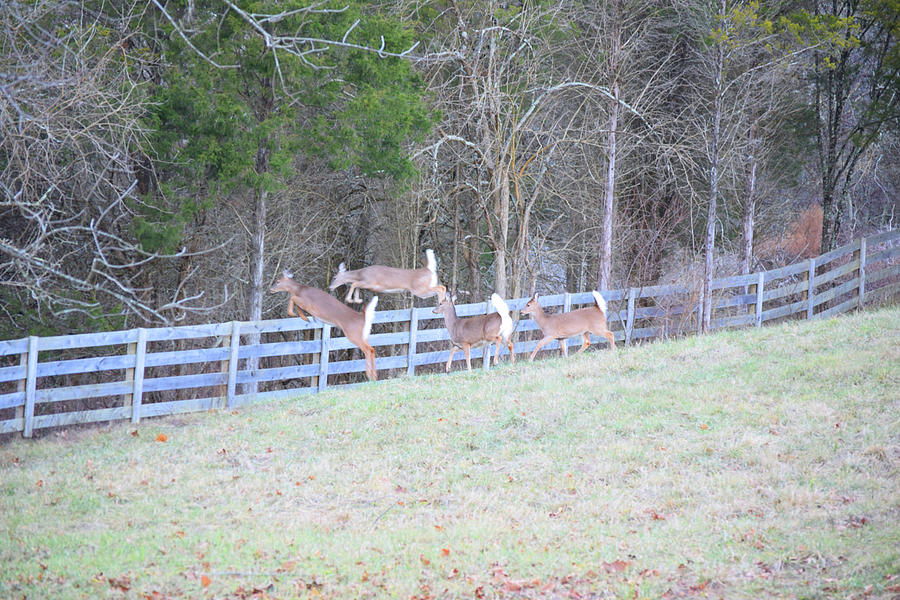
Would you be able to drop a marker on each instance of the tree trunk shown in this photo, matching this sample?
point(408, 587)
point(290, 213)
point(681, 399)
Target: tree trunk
point(713, 185)
point(606, 231)
point(747, 219)
point(257, 260)
point(603, 281)
point(501, 210)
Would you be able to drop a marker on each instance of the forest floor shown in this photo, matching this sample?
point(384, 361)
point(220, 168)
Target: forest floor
point(745, 464)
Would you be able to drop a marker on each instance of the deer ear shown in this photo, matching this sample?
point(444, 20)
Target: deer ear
point(342, 267)
point(453, 298)
point(288, 274)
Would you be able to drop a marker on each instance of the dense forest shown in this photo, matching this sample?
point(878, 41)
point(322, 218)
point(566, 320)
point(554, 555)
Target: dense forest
point(164, 161)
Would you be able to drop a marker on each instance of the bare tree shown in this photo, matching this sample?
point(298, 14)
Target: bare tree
point(503, 90)
point(71, 98)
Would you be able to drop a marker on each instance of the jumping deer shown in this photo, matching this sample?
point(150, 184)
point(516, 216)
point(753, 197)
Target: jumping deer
point(473, 331)
point(562, 326)
point(355, 325)
point(422, 282)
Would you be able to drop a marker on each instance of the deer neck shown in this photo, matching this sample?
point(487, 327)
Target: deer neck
point(450, 318)
point(539, 316)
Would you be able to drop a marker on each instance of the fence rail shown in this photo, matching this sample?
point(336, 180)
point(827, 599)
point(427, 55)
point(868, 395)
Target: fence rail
point(46, 381)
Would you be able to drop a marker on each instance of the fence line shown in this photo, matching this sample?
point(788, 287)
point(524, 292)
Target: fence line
point(132, 378)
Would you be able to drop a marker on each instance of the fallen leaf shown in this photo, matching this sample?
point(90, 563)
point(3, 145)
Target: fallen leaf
point(445, 551)
point(205, 581)
point(122, 583)
point(424, 560)
point(616, 566)
point(135, 433)
point(289, 565)
point(162, 437)
point(704, 426)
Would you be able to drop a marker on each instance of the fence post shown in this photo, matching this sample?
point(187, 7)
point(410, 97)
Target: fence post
point(30, 386)
point(487, 345)
point(140, 358)
point(313, 358)
point(233, 363)
point(629, 318)
point(862, 273)
point(411, 349)
point(131, 350)
point(323, 357)
point(567, 306)
point(760, 279)
point(811, 289)
point(20, 386)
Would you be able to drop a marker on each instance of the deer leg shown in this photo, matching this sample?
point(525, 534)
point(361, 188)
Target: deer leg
point(496, 343)
point(467, 348)
point(587, 342)
point(612, 339)
point(291, 305)
point(564, 347)
point(371, 372)
point(453, 348)
point(540, 345)
point(512, 355)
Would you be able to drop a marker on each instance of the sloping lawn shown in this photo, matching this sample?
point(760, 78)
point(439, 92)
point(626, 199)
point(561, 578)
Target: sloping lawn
point(750, 464)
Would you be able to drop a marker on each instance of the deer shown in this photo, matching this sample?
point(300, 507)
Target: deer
point(473, 331)
point(422, 282)
point(565, 325)
point(325, 307)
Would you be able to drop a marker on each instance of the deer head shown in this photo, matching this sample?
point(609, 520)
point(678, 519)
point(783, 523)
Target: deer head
point(284, 284)
point(445, 306)
point(340, 278)
point(531, 307)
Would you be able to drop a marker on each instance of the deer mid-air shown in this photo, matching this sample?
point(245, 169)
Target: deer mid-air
point(466, 332)
point(422, 282)
point(325, 307)
point(562, 326)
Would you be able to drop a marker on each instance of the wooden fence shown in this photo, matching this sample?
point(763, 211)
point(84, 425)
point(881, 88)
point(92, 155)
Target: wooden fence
point(64, 380)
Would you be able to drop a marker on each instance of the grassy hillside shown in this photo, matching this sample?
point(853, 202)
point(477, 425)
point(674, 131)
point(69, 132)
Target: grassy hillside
point(741, 465)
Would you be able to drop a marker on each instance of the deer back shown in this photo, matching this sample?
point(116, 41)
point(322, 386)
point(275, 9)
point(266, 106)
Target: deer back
point(327, 308)
point(379, 278)
point(575, 322)
point(471, 330)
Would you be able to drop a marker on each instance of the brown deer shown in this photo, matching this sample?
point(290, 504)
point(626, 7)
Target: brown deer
point(422, 282)
point(562, 326)
point(322, 305)
point(473, 331)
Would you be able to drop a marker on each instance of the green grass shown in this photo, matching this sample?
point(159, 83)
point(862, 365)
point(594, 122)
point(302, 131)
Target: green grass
point(748, 464)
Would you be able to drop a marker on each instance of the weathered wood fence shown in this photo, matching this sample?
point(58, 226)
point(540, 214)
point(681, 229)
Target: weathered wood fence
point(64, 380)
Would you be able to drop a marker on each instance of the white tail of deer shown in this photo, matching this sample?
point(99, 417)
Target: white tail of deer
point(562, 326)
point(356, 326)
point(466, 332)
point(422, 282)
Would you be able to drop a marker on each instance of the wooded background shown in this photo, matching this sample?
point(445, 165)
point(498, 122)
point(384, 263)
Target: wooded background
point(161, 162)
